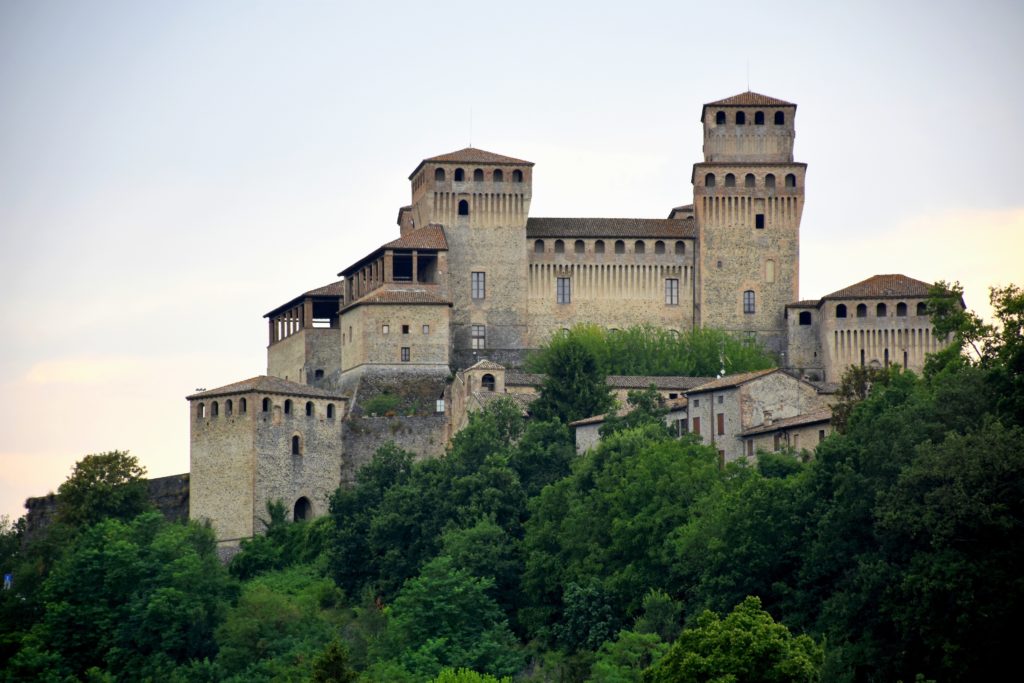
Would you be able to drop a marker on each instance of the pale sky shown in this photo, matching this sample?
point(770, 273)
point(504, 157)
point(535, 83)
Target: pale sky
point(171, 171)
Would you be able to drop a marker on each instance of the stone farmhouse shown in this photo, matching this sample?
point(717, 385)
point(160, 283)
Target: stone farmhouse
point(410, 338)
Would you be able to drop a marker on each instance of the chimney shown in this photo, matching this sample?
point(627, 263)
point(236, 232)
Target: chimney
point(767, 418)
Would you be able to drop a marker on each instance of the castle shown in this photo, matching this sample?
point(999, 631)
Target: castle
point(472, 282)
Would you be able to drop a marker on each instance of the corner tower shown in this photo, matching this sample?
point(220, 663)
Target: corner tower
point(482, 200)
point(748, 198)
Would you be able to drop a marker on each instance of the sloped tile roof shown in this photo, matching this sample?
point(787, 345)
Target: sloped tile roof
point(429, 237)
point(683, 228)
point(682, 383)
point(268, 385)
point(392, 293)
point(822, 415)
point(882, 286)
point(804, 303)
point(333, 289)
point(750, 99)
point(471, 155)
point(732, 380)
point(485, 365)
point(672, 406)
point(523, 379)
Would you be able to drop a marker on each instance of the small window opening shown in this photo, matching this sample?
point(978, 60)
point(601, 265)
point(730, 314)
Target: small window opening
point(749, 180)
point(579, 247)
point(266, 405)
point(405, 329)
point(805, 317)
point(563, 290)
point(242, 406)
point(790, 180)
point(639, 247)
point(214, 409)
point(426, 329)
point(841, 311)
point(288, 407)
point(460, 175)
point(599, 247)
point(538, 247)
point(559, 247)
point(881, 311)
point(318, 374)
point(862, 311)
point(405, 354)
point(749, 301)
point(439, 405)
point(741, 118)
point(229, 407)
point(296, 445)
point(680, 247)
point(498, 176)
point(759, 221)
point(487, 382)
point(719, 118)
point(330, 411)
point(780, 118)
point(463, 207)
point(759, 118)
point(922, 308)
point(709, 180)
point(439, 174)
point(517, 176)
point(769, 181)
point(303, 510)
point(309, 409)
point(620, 247)
point(901, 310)
point(384, 329)
point(201, 410)
point(659, 247)
point(478, 175)
point(730, 180)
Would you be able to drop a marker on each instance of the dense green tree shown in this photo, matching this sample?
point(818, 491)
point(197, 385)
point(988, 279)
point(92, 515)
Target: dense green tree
point(624, 659)
point(468, 676)
point(646, 407)
point(486, 550)
point(745, 647)
point(103, 485)
point(650, 350)
point(332, 665)
point(543, 455)
point(574, 386)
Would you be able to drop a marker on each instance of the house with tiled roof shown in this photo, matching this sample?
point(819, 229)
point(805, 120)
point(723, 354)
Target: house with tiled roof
point(437, 321)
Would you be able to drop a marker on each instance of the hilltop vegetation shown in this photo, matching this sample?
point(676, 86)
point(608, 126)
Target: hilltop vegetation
point(893, 552)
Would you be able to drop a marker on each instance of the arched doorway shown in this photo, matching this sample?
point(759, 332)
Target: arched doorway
point(303, 509)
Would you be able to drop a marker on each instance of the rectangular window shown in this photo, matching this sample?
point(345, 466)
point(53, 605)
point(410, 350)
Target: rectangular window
point(748, 301)
point(563, 292)
point(696, 426)
point(439, 406)
point(405, 354)
point(426, 329)
point(405, 329)
point(750, 448)
point(821, 435)
point(696, 403)
point(479, 285)
point(681, 427)
point(478, 336)
point(672, 292)
point(720, 398)
point(721, 424)
point(777, 441)
point(759, 221)
point(796, 441)
point(384, 329)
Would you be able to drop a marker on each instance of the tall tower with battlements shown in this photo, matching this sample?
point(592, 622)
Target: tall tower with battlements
point(748, 197)
point(482, 201)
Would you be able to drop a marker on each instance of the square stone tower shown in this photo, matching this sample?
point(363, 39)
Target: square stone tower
point(748, 198)
point(482, 201)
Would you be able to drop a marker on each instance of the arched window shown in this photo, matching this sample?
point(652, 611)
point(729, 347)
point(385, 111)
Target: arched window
point(478, 175)
point(749, 302)
point(881, 311)
point(769, 181)
point(790, 180)
point(487, 382)
point(439, 174)
point(266, 405)
point(214, 409)
point(748, 180)
point(309, 409)
point(901, 310)
point(720, 118)
point(498, 176)
point(638, 247)
point(741, 118)
point(680, 247)
point(460, 175)
point(759, 118)
point(579, 247)
point(303, 510)
point(709, 180)
point(620, 247)
point(805, 317)
point(922, 308)
point(463, 207)
point(330, 411)
point(288, 407)
point(659, 247)
point(730, 180)
point(862, 311)
point(841, 311)
point(229, 407)
point(296, 445)
point(517, 176)
point(599, 247)
point(559, 247)
point(242, 406)
point(201, 410)
point(780, 118)
point(769, 270)
point(538, 246)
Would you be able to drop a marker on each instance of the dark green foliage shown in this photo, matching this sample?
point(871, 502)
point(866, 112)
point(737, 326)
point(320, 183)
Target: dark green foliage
point(747, 647)
point(574, 386)
point(543, 455)
point(283, 544)
point(103, 485)
point(587, 619)
point(646, 408)
point(649, 350)
point(332, 665)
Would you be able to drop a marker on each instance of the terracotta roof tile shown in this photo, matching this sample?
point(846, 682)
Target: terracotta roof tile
point(682, 383)
point(471, 155)
point(392, 293)
point(732, 380)
point(804, 303)
point(672, 406)
point(485, 365)
point(882, 286)
point(334, 289)
point(268, 385)
point(429, 237)
point(822, 415)
point(523, 379)
point(750, 99)
point(684, 228)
